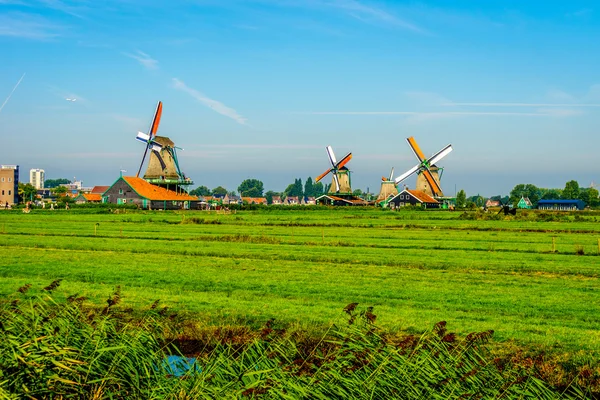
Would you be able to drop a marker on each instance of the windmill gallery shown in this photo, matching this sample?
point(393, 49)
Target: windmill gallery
point(163, 185)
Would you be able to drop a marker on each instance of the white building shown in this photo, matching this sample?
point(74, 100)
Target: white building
point(37, 177)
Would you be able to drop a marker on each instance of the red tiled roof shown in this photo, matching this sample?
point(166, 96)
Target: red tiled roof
point(422, 196)
point(92, 196)
point(153, 192)
point(255, 200)
point(99, 189)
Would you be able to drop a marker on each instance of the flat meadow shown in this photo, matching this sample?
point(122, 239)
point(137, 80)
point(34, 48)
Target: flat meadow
point(533, 279)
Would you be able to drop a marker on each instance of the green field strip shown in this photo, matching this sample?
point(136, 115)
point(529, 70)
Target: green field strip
point(527, 308)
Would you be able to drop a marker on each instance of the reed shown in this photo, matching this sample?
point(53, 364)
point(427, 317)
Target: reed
point(53, 349)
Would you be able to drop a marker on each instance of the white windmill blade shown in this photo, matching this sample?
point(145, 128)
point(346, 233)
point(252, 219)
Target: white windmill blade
point(156, 146)
point(142, 137)
point(439, 155)
point(331, 156)
point(407, 174)
point(392, 174)
point(337, 181)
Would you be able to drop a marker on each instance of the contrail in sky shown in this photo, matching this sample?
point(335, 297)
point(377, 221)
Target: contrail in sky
point(15, 88)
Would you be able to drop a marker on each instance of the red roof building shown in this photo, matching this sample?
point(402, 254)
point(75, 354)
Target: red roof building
point(134, 190)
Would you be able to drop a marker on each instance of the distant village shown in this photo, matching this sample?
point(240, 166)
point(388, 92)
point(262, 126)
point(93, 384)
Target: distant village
point(141, 193)
point(164, 186)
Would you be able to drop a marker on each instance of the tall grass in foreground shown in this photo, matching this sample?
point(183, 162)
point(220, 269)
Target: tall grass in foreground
point(53, 349)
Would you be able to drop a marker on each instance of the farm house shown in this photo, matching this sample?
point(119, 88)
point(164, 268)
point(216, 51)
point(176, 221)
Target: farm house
point(561, 205)
point(134, 190)
point(413, 198)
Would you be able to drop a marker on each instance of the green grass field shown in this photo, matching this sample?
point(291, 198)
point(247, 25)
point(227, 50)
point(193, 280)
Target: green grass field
point(302, 267)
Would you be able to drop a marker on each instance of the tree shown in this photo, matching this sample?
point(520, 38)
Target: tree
point(200, 191)
point(318, 189)
point(594, 197)
point(249, 184)
point(551, 194)
point(525, 190)
point(589, 196)
point(252, 192)
point(27, 192)
point(461, 199)
point(309, 190)
point(59, 190)
point(294, 189)
point(219, 191)
point(571, 190)
point(357, 192)
point(269, 196)
point(52, 183)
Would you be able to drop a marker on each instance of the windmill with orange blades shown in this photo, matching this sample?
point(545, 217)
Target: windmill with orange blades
point(163, 166)
point(340, 184)
point(428, 179)
point(150, 139)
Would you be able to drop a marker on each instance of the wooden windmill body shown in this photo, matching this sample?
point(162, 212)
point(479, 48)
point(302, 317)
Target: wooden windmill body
point(343, 177)
point(163, 167)
point(388, 189)
point(340, 191)
point(424, 186)
point(428, 178)
point(340, 174)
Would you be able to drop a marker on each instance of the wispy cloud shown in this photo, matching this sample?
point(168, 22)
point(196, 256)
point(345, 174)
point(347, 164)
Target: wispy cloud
point(264, 146)
point(210, 103)
point(97, 155)
point(433, 114)
point(369, 13)
point(522, 104)
point(144, 59)
point(583, 12)
point(129, 122)
point(27, 26)
point(63, 7)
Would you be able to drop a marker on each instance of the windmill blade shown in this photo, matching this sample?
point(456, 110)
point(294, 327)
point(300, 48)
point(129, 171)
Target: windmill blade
point(331, 156)
point(156, 120)
point(435, 187)
point(391, 174)
point(407, 174)
point(156, 146)
point(384, 179)
point(160, 159)
point(142, 137)
point(344, 161)
point(142, 163)
point(318, 178)
point(439, 155)
point(337, 181)
point(415, 148)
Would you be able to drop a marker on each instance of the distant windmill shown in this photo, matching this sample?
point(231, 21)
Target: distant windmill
point(341, 175)
point(428, 179)
point(150, 138)
point(388, 188)
point(163, 166)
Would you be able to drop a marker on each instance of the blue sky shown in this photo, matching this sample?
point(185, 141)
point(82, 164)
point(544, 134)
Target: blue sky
point(258, 88)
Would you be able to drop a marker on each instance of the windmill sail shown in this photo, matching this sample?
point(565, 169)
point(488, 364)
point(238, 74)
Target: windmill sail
point(428, 175)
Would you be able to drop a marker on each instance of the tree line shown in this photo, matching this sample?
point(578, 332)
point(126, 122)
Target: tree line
point(255, 188)
point(571, 191)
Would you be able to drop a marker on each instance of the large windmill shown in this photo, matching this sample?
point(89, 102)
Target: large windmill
point(388, 188)
point(428, 179)
point(163, 166)
point(340, 184)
